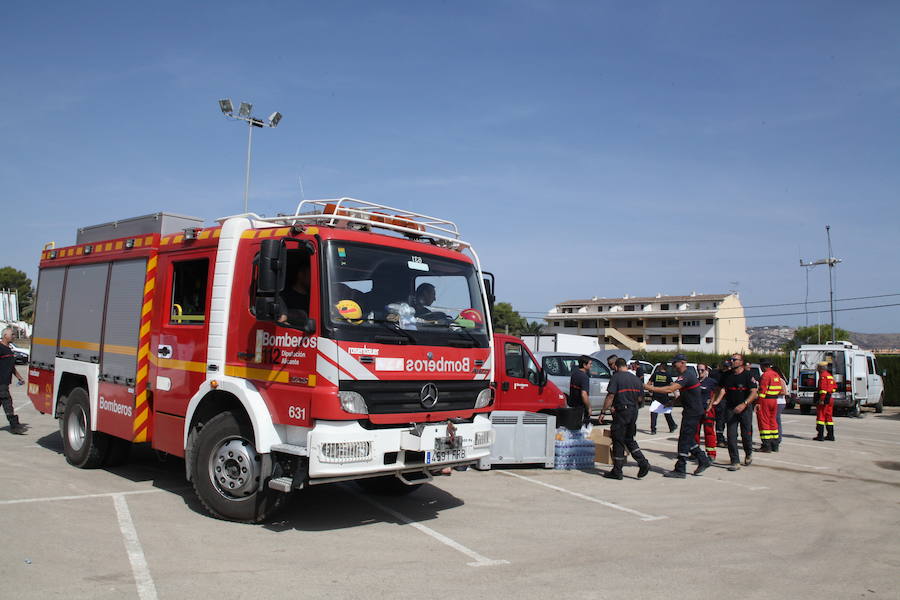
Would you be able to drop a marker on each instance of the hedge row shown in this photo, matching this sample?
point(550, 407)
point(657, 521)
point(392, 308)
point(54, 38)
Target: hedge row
point(889, 362)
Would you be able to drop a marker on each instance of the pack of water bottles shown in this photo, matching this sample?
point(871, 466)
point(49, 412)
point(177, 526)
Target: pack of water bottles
point(573, 450)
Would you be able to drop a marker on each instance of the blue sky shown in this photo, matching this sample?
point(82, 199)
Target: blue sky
point(584, 148)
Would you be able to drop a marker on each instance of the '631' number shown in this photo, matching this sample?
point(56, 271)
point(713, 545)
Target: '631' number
point(297, 412)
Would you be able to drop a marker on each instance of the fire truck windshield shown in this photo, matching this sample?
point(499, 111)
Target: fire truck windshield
point(388, 295)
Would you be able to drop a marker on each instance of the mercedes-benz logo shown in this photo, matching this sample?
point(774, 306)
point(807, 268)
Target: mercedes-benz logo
point(428, 395)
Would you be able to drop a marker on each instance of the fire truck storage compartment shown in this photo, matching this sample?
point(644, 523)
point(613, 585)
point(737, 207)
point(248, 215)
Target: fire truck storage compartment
point(521, 438)
point(46, 317)
point(122, 324)
point(74, 302)
point(161, 223)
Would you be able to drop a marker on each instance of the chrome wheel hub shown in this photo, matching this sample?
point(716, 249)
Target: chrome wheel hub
point(76, 428)
point(234, 468)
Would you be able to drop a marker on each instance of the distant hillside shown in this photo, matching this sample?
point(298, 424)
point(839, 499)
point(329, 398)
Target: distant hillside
point(771, 337)
point(876, 341)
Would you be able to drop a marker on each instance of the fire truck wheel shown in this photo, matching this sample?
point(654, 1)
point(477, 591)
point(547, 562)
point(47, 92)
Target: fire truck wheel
point(227, 472)
point(879, 408)
point(389, 485)
point(83, 448)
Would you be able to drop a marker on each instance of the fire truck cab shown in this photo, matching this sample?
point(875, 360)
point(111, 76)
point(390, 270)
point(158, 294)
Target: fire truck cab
point(346, 341)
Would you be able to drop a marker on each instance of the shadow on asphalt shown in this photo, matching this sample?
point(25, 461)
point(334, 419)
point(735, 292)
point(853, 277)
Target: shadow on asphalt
point(344, 505)
point(145, 465)
point(318, 508)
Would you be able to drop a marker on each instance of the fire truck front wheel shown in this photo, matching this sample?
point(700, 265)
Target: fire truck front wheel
point(227, 472)
point(83, 448)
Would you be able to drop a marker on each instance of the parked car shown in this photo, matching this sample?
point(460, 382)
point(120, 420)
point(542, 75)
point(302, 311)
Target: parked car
point(23, 355)
point(559, 365)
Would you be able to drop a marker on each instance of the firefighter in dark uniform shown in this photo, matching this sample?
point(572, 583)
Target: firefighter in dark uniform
point(661, 378)
point(7, 370)
point(693, 410)
point(738, 390)
point(623, 395)
point(580, 387)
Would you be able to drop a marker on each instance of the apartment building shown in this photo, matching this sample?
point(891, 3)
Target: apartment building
point(711, 323)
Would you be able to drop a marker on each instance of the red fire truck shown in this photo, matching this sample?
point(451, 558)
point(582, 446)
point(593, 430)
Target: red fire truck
point(346, 341)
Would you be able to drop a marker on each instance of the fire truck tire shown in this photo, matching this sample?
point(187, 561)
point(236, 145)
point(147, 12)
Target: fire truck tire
point(227, 476)
point(879, 408)
point(855, 409)
point(804, 409)
point(82, 447)
point(389, 485)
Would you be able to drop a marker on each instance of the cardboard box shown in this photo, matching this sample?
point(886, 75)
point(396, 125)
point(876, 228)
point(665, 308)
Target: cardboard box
point(597, 434)
point(603, 452)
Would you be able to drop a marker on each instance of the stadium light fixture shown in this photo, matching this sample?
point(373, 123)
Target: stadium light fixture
point(243, 114)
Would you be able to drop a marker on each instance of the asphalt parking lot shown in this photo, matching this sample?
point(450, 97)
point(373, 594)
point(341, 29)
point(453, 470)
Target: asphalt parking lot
point(817, 519)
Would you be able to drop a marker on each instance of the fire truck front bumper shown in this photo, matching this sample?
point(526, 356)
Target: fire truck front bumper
point(345, 450)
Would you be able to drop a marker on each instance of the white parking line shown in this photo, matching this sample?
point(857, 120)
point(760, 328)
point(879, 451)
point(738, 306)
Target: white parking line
point(643, 516)
point(752, 488)
point(480, 561)
point(55, 498)
point(787, 462)
point(142, 578)
point(823, 447)
point(854, 438)
point(656, 440)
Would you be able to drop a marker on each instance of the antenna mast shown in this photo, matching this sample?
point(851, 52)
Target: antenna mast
point(831, 261)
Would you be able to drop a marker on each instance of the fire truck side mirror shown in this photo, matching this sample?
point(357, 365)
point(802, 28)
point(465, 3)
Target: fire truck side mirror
point(489, 288)
point(272, 262)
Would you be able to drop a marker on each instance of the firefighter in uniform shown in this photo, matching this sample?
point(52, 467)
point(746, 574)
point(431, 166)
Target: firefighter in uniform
point(623, 394)
point(770, 387)
point(661, 378)
point(693, 411)
point(825, 405)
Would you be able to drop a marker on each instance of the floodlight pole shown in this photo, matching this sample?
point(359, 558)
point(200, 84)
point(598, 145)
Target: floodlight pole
point(247, 178)
point(227, 109)
point(831, 262)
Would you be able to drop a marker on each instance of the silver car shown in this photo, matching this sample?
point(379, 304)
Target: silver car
point(559, 366)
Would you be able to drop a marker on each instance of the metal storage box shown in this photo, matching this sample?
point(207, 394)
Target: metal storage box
point(521, 438)
point(162, 223)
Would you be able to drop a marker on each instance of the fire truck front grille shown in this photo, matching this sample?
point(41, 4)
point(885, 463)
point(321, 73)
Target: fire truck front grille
point(391, 397)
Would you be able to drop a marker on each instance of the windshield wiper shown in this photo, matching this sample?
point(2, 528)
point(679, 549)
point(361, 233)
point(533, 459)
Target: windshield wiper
point(394, 327)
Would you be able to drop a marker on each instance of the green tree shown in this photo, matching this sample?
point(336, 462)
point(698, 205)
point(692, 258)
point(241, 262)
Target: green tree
point(533, 328)
point(14, 279)
point(505, 317)
point(813, 335)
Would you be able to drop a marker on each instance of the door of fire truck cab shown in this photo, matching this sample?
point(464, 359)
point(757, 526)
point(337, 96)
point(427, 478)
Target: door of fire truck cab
point(860, 380)
point(279, 356)
point(517, 376)
point(178, 345)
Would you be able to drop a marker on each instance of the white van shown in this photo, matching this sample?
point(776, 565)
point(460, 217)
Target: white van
point(855, 371)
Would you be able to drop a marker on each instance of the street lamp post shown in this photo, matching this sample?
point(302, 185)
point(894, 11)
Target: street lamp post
point(243, 114)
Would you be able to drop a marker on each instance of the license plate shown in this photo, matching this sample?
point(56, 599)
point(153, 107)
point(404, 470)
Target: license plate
point(439, 456)
point(444, 443)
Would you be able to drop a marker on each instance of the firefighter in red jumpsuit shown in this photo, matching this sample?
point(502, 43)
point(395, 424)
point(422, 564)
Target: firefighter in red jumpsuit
point(708, 388)
point(770, 387)
point(825, 405)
